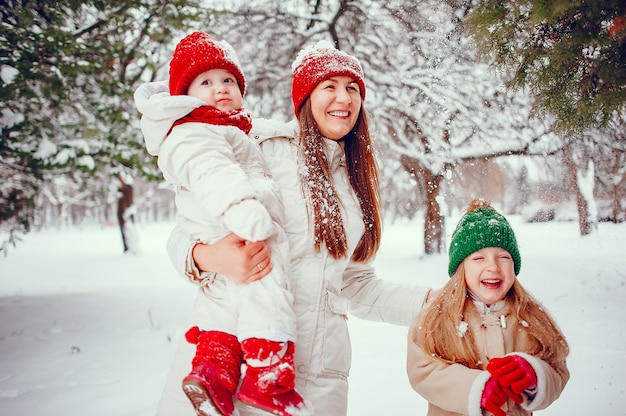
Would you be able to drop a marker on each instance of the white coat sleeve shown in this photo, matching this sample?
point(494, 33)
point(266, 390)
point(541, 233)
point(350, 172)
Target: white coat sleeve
point(550, 382)
point(249, 219)
point(203, 161)
point(371, 298)
point(179, 247)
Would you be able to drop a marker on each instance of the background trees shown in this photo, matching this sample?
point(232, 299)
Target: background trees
point(68, 122)
point(446, 121)
point(434, 102)
point(572, 55)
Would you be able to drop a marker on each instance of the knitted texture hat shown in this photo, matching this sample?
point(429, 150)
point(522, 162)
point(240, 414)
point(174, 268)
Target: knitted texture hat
point(317, 63)
point(197, 53)
point(482, 226)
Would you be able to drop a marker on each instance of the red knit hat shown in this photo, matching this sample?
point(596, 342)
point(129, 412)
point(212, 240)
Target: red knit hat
point(197, 53)
point(317, 63)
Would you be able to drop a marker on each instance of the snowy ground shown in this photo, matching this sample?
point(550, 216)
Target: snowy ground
point(88, 330)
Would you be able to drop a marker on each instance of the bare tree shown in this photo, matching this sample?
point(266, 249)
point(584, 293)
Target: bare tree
point(433, 102)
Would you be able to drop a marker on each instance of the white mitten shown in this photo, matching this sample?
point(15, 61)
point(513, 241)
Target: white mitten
point(249, 220)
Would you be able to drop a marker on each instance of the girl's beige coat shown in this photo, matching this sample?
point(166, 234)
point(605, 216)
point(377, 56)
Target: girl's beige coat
point(456, 390)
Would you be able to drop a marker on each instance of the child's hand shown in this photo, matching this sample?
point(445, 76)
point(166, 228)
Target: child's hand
point(249, 220)
point(514, 374)
point(493, 397)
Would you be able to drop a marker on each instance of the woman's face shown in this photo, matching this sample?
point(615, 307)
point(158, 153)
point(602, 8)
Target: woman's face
point(489, 273)
point(336, 103)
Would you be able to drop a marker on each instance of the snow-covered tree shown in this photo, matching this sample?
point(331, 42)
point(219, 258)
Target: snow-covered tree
point(441, 106)
point(607, 149)
point(572, 57)
point(596, 173)
point(581, 168)
point(68, 71)
point(433, 102)
point(572, 54)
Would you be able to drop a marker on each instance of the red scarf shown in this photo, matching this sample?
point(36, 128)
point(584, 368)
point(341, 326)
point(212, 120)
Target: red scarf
point(211, 115)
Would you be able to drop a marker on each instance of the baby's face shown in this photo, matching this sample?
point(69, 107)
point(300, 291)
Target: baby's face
point(218, 88)
point(489, 273)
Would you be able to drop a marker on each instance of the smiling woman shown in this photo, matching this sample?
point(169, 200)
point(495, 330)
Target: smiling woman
point(324, 166)
point(316, 64)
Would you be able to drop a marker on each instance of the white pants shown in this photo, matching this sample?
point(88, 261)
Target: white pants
point(261, 309)
point(173, 401)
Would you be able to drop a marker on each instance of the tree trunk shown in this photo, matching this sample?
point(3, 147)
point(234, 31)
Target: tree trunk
point(578, 175)
point(433, 220)
point(433, 223)
point(618, 172)
point(124, 202)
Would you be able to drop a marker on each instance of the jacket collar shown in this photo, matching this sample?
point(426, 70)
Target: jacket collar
point(483, 308)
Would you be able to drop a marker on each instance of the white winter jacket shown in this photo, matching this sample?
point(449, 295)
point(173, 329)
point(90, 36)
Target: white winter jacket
point(325, 289)
point(220, 176)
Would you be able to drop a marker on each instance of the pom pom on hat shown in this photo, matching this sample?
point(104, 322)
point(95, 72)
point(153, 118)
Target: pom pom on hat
point(192, 335)
point(481, 227)
point(317, 63)
point(197, 53)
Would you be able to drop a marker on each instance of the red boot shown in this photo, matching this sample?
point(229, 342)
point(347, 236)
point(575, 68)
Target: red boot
point(215, 373)
point(269, 381)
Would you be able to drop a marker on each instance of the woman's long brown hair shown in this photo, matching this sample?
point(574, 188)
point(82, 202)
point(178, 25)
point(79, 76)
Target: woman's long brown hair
point(318, 186)
point(438, 334)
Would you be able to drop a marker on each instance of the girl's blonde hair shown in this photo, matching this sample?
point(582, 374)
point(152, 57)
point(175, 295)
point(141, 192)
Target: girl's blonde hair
point(438, 332)
point(318, 186)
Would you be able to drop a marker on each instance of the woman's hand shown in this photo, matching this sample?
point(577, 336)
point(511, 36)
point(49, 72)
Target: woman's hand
point(240, 260)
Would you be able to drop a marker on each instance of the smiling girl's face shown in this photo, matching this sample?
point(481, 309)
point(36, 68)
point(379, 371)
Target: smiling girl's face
point(489, 273)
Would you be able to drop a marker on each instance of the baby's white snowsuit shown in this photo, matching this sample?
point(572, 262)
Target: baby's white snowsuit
point(222, 185)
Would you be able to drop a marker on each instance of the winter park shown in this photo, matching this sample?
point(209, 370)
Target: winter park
point(85, 326)
point(521, 105)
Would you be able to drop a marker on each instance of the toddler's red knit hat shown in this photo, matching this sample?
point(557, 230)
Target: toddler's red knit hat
point(197, 53)
point(317, 63)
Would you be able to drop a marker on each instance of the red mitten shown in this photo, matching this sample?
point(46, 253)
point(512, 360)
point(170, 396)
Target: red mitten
point(493, 397)
point(514, 374)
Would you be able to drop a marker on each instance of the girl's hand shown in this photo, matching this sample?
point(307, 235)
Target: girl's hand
point(240, 260)
point(514, 374)
point(493, 398)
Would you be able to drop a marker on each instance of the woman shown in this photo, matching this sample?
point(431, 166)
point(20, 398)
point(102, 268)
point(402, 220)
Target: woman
point(325, 168)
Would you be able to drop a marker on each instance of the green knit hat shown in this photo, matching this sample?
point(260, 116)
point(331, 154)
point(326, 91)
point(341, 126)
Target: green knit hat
point(482, 226)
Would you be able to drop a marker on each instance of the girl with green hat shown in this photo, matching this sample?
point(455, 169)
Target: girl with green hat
point(484, 345)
